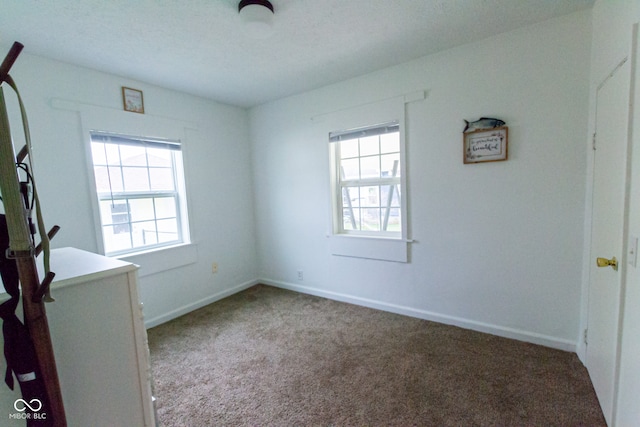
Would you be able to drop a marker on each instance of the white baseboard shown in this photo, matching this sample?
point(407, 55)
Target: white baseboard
point(501, 331)
point(158, 320)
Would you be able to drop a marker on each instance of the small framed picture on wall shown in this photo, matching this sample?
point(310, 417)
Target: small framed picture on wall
point(132, 100)
point(486, 145)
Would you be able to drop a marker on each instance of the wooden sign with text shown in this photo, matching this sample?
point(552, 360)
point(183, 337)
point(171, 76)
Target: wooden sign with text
point(486, 145)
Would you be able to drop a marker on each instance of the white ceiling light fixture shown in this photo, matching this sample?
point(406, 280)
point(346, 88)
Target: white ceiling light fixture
point(257, 17)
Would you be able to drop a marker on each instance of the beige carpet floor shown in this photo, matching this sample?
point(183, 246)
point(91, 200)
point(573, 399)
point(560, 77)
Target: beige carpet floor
point(271, 357)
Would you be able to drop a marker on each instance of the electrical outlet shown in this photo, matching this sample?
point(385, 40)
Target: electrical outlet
point(214, 267)
point(300, 275)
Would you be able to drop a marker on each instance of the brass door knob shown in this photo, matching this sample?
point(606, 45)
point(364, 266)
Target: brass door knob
point(604, 262)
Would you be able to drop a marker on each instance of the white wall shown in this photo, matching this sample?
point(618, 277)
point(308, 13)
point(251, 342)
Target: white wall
point(217, 162)
point(499, 245)
point(612, 26)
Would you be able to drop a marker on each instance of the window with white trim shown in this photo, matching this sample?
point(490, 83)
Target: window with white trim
point(140, 188)
point(367, 169)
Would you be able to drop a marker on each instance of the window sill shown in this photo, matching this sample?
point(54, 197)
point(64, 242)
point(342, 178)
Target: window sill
point(370, 247)
point(163, 259)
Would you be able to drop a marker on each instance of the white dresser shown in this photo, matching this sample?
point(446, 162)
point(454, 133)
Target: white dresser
point(99, 341)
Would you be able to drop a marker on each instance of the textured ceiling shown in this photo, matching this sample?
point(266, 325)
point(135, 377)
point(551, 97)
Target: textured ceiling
point(198, 46)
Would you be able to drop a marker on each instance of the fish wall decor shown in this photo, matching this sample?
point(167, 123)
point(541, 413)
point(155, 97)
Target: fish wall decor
point(482, 123)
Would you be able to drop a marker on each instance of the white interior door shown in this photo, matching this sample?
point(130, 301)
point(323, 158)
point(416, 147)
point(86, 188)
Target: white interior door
point(608, 212)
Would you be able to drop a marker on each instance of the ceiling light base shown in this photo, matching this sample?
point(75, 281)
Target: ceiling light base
point(257, 17)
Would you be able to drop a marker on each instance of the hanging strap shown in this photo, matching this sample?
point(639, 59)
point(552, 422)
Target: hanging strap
point(44, 242)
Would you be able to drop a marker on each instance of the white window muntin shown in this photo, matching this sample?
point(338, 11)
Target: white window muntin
point(163, 229)
point(358, 157)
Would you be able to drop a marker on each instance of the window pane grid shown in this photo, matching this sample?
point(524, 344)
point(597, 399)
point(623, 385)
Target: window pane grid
point(382, 163)
point(370, 184)
point(371, 208)
point(138, 197)
point(124, 205)
point(131, 224)
point(368, 180)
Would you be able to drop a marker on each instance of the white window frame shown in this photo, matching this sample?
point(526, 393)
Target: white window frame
point(394, 182)
point(177, 194)
point(97, 117)
point(94, 117)
point(377, 245)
